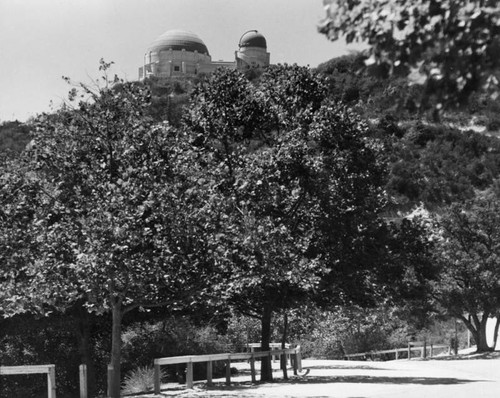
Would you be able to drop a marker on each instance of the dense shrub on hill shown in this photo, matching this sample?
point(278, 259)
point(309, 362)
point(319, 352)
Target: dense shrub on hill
point(370, 89)
point(14, 136)
point(438, 165)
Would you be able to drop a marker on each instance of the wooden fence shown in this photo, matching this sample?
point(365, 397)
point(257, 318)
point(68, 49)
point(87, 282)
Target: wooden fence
point(227, 358)
point(426, 350)
point(50, 370)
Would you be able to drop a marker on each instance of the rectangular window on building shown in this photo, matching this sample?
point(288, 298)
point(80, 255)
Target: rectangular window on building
point(177, 68)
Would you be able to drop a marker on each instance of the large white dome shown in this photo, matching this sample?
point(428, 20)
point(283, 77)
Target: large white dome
point(179, 40)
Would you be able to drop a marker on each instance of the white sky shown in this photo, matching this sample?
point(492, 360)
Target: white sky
point(42, 40)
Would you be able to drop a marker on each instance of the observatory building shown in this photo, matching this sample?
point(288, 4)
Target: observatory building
point(178, 52)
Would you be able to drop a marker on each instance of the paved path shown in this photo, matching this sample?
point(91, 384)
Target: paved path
point(465, 378)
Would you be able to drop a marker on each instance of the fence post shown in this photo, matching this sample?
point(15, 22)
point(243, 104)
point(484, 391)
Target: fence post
point(51, 381)
point(432, 350)
point(409, 351)
point(295, 363)
point(189, 375)
point(157, 378)
point(397, 354)
point(252, 367)
point(83, 381)
point(270, 361)
point(424, 349)
point(299, 359)
point(209, 373)
point(110, 376)
point(228, 372)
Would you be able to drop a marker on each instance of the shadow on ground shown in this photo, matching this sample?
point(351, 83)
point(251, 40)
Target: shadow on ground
point(380, 380)
point(243, 387)
point(346, 367)
point(482, 355)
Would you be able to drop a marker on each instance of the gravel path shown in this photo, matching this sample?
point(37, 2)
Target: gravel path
point(466, 377)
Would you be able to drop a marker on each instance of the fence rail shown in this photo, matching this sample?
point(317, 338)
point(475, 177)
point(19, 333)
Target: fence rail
point(50, 370)
point(423, 347)
point(227, 357)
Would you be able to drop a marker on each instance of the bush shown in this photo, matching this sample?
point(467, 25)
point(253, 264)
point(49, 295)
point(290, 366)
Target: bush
point(493, 124)
point(142, 342)
point(139, 380)
point(30, 341)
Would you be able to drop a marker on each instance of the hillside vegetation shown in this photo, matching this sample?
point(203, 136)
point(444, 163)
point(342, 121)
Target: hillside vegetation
point(196, 123)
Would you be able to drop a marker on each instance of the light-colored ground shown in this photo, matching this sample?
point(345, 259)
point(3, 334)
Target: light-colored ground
point(470, 376)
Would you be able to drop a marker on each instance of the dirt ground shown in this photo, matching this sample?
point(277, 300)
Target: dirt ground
point(476, 376)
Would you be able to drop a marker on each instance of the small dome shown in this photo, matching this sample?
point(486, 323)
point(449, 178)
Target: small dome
point(179, 40)
point(253, 38)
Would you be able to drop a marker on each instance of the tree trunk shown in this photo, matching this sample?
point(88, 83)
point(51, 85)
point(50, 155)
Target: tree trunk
point(114, 383)
point(478, 329)
point(495, 333)
point(284, 337)
point(85, 348)
point(266, 369)
point(482, 344)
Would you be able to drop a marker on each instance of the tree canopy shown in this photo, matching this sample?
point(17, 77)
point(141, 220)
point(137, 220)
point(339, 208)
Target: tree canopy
point(451, 45)
point(294, 189)
point(110, 216)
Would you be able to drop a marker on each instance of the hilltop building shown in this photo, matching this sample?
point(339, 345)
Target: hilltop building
point(178, 52)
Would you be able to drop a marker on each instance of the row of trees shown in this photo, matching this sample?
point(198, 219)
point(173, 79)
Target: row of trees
point(269, 195)
point(255, 203)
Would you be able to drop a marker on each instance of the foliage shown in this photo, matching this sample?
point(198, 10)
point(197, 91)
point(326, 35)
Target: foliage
point(169, 97)
point(113, 221)
point(454, 45)
point(27, 341)
point(14, 136)
point(347, 330)
point(293, 187)
point(169, 337)
point(141, 379)
point(19, 197)
point(369, 90)
point(243, 330)
point(439, 165)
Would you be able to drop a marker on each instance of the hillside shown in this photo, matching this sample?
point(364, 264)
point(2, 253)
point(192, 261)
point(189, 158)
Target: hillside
point(430, 162)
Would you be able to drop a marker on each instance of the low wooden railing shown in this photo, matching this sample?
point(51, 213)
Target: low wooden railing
point(226, 357)
point(50, 370)
point(253, 347)
point(423, 347)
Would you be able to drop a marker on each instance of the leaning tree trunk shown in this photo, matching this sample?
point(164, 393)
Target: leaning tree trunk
point(478, 329)
point(114, 381)
point(266, 369)
point(482, 343)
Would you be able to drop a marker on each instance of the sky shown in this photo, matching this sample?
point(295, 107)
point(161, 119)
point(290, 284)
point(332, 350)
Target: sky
point(43, 40)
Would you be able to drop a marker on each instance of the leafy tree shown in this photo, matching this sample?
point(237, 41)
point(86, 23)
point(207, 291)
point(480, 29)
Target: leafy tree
point(453, 44)
point(293, 189)
point(469, 284)
point(114, 224)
